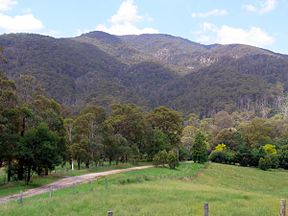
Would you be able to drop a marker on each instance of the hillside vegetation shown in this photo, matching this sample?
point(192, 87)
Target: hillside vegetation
point(149, 70)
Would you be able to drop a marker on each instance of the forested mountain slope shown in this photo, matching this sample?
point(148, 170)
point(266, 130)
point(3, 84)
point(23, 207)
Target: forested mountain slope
point(150, 70)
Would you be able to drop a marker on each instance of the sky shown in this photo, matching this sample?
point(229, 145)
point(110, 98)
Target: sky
point(261, 23)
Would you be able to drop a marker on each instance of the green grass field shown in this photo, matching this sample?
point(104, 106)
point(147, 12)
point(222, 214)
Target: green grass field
point(60, 172)
point(230, 190)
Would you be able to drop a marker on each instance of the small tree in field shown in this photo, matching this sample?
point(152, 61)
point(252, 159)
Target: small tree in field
point(172, 159)
point(199, 149)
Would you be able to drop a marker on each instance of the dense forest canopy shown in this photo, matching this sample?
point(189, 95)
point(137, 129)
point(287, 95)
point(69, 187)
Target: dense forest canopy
point(150, 71)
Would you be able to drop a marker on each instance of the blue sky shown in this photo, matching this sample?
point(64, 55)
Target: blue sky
point(262, 23)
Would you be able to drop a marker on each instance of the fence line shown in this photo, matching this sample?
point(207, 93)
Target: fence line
point(282, 207)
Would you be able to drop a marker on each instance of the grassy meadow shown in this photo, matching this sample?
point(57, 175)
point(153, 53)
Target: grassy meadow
point(230, 190)
point(60, 172)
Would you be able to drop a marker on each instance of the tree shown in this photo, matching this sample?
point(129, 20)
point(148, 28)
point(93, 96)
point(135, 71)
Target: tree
point(49, 111)
point(9, 123)
point(40, 150)
point(116, 146)
point(8, 95)
point(87, 129)
point(227, 136)
point(68, 125)
point(223, 120)
point(188, 137)
point(128, 121)
point(199, 149)
point(157, 141)
point(28, 89)
point(257, 132)
point(79, 152)
point(169, 122)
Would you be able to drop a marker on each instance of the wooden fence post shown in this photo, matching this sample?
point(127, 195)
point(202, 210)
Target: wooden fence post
point(50, 192)
point(74, 188)
point(91, 186)
point(109, 213)
point(106, 184)
point(206, 209)
point(20, 200)
point(282, 207)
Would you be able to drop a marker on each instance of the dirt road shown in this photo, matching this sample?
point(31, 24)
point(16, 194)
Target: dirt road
point(67, 182)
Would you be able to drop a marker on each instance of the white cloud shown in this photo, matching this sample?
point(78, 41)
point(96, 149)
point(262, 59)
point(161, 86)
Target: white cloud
point(124, 21)
point(19, 23)
point(6, 4)
point(215, 12)
point(264, 6)
point(127, 13)
point(254, 36)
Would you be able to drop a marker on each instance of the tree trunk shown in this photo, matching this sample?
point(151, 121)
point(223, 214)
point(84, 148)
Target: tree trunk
point(46, 171)
point(23, 126)
point(28, 177)
point(87, 164)
point(72, 165)
point(9, 174)
point(20, 171)
point(78, 162)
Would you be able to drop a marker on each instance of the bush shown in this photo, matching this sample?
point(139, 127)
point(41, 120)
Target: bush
point(265, 163)
point(156, 160)
point(222, 156)
point(270, 149)
point(217, 156)
point(244, 156)
point(220, 147)
point(160, 158)
point(274, 161)
point(184, 154)
point(256, 155)
point(173, 161)
point(283, 158)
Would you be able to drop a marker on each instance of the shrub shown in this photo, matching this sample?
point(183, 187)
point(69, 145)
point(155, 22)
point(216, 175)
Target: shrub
point(274, 161)
point(222, 156)
point(283, 158)
point(220, 147)
point(256, 155)
point(156, 160)
point(160, 158)
point(270, 149)
point(173, 161)
point(265, 163)
point(184, 154)
point(217, 156)
point(244, 156)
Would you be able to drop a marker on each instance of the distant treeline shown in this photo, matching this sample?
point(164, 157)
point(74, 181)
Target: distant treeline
point(37, 134)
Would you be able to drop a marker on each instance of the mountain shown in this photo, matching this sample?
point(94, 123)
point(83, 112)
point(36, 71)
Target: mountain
point(149, 70)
